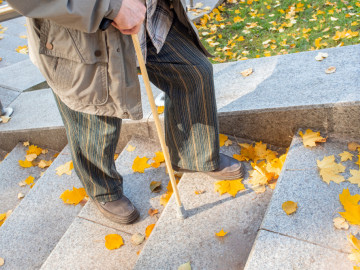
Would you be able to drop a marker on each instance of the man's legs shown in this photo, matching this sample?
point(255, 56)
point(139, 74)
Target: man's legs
point(184, 73)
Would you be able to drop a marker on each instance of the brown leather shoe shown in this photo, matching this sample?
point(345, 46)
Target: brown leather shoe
point(120, 211)
point(229, 169)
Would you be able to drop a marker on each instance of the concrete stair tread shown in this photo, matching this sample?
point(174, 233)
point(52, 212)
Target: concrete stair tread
point(40, 220)
point(136, 188)
point(311, 227)
point(12, 173)
point(175, 241)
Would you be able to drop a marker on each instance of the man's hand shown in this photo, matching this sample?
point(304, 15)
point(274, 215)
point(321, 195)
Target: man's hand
point(130, 17)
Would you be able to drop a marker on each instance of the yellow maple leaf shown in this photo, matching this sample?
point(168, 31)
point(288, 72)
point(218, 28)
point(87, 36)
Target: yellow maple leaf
point(346, 156)
point(355, 252)
point(351, 207)
point(222, 233)
point(30, 180)
point(140, 164)
point(223, 138)
point(355, 178)
point(159, 157)
point(113, 241)
point(25, 163)
point(329, 170)
point(229, 186)
point(26, 143)
point(22, 49)
point(358, 162)
point(289, 207)
point(33, 149)
point(73, 196)
point(43, 164)
point(310, 138)
point(65, 168)
point(149, 229)
point(160, 109)
point(164, 199)
point(2, 218)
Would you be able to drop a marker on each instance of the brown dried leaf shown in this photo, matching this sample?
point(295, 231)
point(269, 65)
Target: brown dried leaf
point(340, 223)
point(153, 212)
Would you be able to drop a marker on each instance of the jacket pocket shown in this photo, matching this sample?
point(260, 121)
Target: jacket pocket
point(75, 63)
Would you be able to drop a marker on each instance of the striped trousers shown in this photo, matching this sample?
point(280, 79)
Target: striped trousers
point(184, 73)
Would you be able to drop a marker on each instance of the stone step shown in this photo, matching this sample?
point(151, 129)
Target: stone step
point(175, 242)
point(84, 248)
point(31, 232)
point(12, 173)
point(306, 239)
point(3, 154)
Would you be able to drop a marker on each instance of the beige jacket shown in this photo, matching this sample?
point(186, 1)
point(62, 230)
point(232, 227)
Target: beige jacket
point(92, 71)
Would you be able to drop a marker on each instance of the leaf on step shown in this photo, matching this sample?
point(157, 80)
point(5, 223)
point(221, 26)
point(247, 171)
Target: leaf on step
point(159, 157)
point(30, 157)
point(44, 151)
point(25, 163)
point(30, 180)
point(33, 149)
point(140, 164)
point(351, 207)
point(160, 109)
point(221, 233)
point(74, 196)
point(185, 266)
point(198, 192)
point(223, 138)
point(116, 156)
point(340, 223)
point(137, 239)
point(4, 216)
point(21, 195)
point(5, 119)
point(2, 261)
point(330, 70)
point(153, 212)
point(149, 229)
point(329, 170)
point(352, 146)
point(65, 168)
point(26, 143)
point(22, 184)
point(130, 148)
point(155, 186)
point(43, 163)
point(229, 186)
point(358, 162)
point(346, 156)
point(355, 178)
point(289, 207)
point(113, 241)
point(310, 138)
point(355, 252)
point(228, 142)
point(247, 72)
point(164, 199)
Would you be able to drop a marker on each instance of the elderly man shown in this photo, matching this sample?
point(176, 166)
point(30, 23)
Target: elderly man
point(94, 78)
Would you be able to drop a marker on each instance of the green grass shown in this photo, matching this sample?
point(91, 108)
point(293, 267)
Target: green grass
point(267, 28)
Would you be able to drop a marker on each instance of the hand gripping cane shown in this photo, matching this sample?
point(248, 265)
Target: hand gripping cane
point(180, 210)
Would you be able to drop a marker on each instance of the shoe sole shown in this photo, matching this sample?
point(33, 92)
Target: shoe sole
point(128, 220)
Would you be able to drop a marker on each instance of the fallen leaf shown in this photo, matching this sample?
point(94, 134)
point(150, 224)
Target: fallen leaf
point(330, 70)
point(355, 252)
point(65, 168)
point(33, 149)
point(164, 199)
point(340, 223)
point(137, 239)
point(153, 212)
point(31, 157)
point(289, 207)
point(25, 163)
point(228, 142)
point(149, 229)
point(26, 143)
point(346, 156)
point(351, 207)
point(44, 151)
point(159, 157)
point(155, 186)
point(113, 241)
point(30, 180)
point(2, 261)
point(22, 184)
point(22, 49)
point(43, 164)
point(185, 266)
point(140, 164)
point(198, 192)
point(5, 119)
point(160, 109)
point(221, 233)
point(21, 195)
point(352, 146)
point(223, 138)
point(247, 72)
point(229, 186)
point(355, 178)
point(4, 216)
point(310, 138)
point(74, 196)
point(329, 170)
point(138, 252)
point(321, 56)
point(116, 156)
point(130, 148)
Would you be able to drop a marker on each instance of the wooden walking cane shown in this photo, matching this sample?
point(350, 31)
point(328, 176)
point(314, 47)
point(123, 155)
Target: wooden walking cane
point(180, 210)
